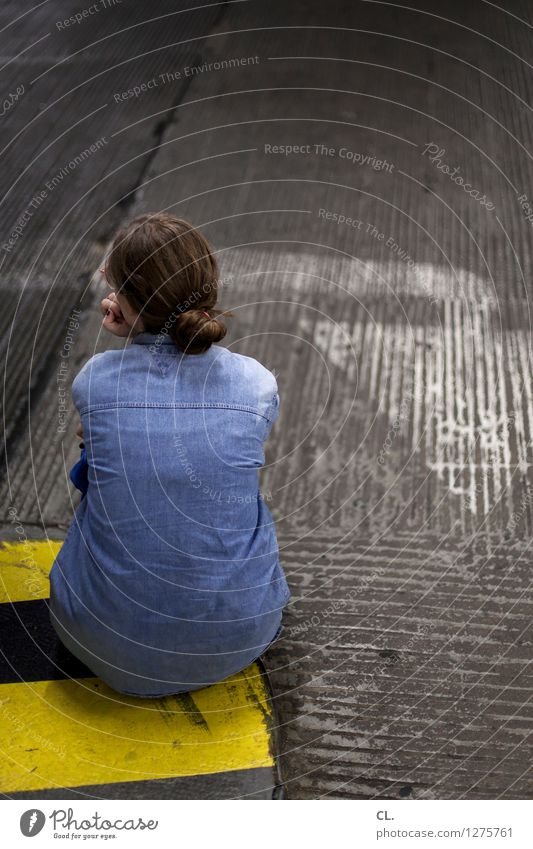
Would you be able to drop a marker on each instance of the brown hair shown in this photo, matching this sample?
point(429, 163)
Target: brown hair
point(167, 272)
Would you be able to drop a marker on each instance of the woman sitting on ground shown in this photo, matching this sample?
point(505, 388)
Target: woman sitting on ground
point(169, 578)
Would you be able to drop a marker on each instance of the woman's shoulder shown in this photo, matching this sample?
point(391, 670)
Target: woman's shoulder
point(249, 381)
point(94, 375)
point(247, 367)
point(88, 367)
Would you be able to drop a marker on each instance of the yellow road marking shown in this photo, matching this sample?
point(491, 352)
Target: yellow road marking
point(73, 732)
point(24, 569)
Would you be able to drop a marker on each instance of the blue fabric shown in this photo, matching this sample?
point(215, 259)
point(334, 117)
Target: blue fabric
point(169, 578)
point(79, 473)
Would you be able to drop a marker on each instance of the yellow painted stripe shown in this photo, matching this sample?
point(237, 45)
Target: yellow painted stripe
point(74, 732)
point(24, 569)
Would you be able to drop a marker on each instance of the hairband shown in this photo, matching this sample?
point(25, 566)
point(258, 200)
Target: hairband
point(181, 310)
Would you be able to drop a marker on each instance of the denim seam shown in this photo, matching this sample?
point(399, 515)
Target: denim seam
point(271, 407)
point(184, 406)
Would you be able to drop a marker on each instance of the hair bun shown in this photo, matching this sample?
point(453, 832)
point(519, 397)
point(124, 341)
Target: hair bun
point(194, 331)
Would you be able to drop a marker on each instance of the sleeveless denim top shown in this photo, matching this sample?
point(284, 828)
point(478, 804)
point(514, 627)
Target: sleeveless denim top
point(169, 578)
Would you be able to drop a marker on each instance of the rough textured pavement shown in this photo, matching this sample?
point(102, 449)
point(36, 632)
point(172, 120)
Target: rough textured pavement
point(391, 299)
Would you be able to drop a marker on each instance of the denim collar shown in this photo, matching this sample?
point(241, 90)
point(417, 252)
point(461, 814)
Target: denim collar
point(156, 339)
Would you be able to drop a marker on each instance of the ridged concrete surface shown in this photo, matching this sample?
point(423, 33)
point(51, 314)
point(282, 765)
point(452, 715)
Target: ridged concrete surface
point(404, 668)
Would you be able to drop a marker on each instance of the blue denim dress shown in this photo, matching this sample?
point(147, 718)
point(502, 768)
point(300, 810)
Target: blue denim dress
point(169, 578)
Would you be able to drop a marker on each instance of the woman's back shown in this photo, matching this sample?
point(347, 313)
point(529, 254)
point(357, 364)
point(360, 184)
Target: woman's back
point(169, 578)
point(173, 530)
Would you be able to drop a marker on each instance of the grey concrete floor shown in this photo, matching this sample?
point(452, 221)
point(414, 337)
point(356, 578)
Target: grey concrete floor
point(399, 472)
